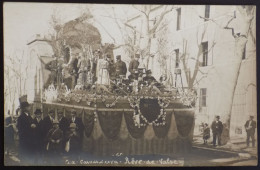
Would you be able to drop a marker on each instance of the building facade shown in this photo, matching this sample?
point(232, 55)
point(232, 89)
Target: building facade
point(194, 40)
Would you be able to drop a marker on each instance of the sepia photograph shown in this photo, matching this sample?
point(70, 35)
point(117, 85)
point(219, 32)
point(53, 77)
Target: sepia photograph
point(129, 85)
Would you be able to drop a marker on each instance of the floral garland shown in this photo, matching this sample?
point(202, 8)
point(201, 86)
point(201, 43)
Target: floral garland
point(188, 98)
point(163, 102)
point(112, 104)
point(137, 114)
point(95, 105)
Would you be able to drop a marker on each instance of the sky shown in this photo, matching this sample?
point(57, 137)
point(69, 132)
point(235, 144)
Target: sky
point(24, 20)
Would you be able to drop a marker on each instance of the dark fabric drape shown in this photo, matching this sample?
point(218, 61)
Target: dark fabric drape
point(88, 121)
point(110, 123)
point(150, 109)
point(184, 121)
point(133, 130)
point(162, 130)
point(45, 109)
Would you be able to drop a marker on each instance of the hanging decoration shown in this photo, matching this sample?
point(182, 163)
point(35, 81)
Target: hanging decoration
point(110, 123)
point(184, 121)
point(188, 97)
point(88, 119)
point(138, 115)
point(51, 93)
point(103, 99)
point(162, 131)
point(135, 131)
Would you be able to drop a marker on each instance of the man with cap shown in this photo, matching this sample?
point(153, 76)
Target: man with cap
point(250, 130)
point(38, 138)
point(133, 65)
point(77, 121)
point(73, 142)
point(24, 126)
point(120, 67)
point(54, 146)
point(217, 128)
point(149, 78)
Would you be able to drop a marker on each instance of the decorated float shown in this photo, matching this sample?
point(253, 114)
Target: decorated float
point(148, 121)
point(128, 124)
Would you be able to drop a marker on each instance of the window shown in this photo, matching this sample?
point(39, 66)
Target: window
point(177, 59)
point(203, 97)
point(204, 47)
point(207, 11)
point(178, 19)
point(244, 54)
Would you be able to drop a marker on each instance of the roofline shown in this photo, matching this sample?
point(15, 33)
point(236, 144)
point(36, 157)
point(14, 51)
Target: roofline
point(36, 40)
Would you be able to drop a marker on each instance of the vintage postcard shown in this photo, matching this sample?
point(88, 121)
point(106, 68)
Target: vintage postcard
point(129, 85)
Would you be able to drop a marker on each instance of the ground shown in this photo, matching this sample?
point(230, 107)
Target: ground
point(233, 154)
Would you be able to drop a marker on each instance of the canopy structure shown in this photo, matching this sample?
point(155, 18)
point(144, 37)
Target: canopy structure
point(76, 32)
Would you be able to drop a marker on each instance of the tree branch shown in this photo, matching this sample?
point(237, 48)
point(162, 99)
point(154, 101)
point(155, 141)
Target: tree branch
point(160, 19)
point(140, 10)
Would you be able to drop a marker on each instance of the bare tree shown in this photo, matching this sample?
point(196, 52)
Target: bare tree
point(150, 29)
point(15, 78)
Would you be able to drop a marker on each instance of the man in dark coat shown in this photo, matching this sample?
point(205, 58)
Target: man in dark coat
point(217, 128)
point(133, 65)
point(54, 146)
point(250, 130)
point(73, 142)
point(63, 122)
point(120, 67)
point(77, 121)
point(149, 78)
point(38, 138)
point(24, 125)
point(48, 124)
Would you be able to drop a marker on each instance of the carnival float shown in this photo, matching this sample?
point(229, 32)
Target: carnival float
point(120, 118)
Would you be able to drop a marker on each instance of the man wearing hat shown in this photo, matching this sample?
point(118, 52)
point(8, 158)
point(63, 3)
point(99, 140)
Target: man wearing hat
point(133, 65)
point(47, 122)
point(24, 126)
point(73, 142)
point(54, 146)
point(149, 78)
point(77, 121)
point(38, 138)
point(250, 130)
point(217, 128)
point(63, 122)
point(120, 67)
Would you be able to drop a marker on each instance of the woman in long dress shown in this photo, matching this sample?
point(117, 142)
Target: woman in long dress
point(102, 71)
